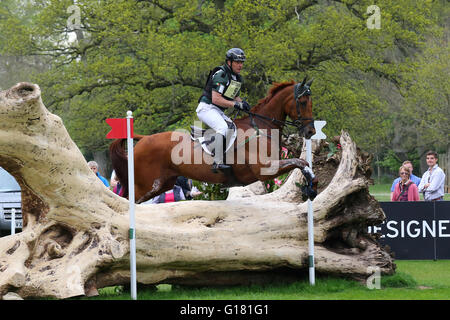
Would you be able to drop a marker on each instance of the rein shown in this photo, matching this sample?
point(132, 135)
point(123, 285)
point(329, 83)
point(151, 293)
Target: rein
point(297, 122)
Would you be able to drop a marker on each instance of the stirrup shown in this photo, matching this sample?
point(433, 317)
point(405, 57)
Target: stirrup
point(219, 166)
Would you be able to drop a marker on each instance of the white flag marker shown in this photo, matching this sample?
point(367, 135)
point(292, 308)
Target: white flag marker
point(132, 231)
point(318, 125)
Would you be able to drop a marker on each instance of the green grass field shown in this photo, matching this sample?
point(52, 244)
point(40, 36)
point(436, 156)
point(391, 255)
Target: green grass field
point(382, 192)
point(414, 280)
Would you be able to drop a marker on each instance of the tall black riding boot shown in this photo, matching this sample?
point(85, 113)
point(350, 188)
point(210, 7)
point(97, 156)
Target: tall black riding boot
point(219, 154)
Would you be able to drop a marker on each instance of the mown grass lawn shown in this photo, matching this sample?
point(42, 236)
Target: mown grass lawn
point(414, 280)
point(382, 192)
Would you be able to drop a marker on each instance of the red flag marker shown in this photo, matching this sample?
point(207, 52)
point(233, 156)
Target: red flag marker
point(119, 128)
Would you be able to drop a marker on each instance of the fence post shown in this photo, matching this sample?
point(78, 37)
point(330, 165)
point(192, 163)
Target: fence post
point(318, 125)
point(13, 221)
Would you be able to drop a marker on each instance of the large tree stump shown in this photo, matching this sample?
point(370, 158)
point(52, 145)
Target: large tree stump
point(75, 234)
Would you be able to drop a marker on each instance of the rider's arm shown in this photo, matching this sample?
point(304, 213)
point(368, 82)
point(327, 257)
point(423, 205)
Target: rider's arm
point(218, 100)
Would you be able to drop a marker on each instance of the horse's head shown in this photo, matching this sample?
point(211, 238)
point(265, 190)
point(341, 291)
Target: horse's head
point(300, 109)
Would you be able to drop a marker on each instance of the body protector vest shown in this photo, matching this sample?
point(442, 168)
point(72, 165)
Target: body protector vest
point(224, 81)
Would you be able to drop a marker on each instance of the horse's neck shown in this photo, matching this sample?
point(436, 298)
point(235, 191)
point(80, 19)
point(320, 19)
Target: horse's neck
point(275, 107)
point(272, 114)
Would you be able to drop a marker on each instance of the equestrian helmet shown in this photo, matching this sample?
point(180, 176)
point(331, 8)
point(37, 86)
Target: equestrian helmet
point(235, 54)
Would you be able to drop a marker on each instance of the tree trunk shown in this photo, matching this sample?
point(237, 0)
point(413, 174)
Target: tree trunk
point(75, 234)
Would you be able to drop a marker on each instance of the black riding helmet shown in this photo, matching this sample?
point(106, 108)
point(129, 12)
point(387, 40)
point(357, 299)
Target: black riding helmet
point(235, 54)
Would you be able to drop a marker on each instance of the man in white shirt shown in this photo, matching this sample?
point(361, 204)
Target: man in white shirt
point(432, 183)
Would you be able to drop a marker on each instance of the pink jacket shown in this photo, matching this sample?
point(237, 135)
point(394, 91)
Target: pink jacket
point(413, 192)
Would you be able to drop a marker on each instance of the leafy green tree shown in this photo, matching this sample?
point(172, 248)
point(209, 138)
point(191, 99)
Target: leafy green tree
point(15, 66)
point(427, 103)
point(152, 57)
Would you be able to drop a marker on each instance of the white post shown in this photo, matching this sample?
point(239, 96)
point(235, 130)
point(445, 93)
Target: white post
point(312, 277)
point(132, 233)
point(13, 221)
point(318, 125)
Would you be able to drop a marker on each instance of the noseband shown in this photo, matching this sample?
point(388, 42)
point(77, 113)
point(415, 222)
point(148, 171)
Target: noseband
point(301, 90)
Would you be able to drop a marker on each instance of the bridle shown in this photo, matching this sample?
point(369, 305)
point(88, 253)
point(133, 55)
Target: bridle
point(300, 90)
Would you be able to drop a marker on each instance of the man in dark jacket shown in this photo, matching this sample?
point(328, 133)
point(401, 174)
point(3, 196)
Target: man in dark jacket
point(222, 91)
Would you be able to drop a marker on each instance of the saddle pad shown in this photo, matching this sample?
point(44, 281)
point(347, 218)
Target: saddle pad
point(206, 138)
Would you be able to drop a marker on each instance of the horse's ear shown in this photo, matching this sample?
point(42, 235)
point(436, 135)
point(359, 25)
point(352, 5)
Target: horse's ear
point(303, 82)
point(308, 84)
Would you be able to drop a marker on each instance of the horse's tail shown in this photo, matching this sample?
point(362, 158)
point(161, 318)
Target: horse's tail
point(119, 160)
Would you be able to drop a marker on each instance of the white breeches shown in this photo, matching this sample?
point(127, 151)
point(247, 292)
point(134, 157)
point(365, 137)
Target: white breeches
point(213, 117)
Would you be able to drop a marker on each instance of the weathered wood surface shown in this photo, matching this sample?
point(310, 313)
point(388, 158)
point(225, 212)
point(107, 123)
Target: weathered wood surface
point(75, 235)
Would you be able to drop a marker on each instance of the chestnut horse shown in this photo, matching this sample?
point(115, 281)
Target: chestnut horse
point(156, 172)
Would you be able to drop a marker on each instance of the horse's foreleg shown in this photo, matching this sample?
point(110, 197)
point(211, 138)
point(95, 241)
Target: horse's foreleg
point(312, 182)
point(156, 190)
point(159, 186)
point(275, 168)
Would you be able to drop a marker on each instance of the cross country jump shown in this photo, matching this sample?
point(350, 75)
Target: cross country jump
point(75, 230)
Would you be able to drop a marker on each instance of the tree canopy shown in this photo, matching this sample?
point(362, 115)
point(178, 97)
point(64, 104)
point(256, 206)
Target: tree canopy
point(97, 59)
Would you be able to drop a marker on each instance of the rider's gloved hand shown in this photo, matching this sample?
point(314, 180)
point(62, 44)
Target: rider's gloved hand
point(246, 106)
point(242, 105)
point(239, 105)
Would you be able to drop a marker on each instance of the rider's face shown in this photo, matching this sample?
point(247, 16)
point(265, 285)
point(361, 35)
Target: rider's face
point(236, 66)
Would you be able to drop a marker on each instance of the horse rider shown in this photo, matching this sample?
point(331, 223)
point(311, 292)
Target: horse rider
point(221, 91)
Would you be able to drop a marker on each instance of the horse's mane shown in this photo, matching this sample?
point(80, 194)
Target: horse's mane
point(277, 87)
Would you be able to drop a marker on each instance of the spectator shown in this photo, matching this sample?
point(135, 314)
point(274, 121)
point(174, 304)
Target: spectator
point(188, 190)
point(186, 185)
point(113, 181)
point(94, 167)
point(115, 184)
point(432, 183)
point(176, 194)
point(182, 190)
point(413, 178)
point(405, 190)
